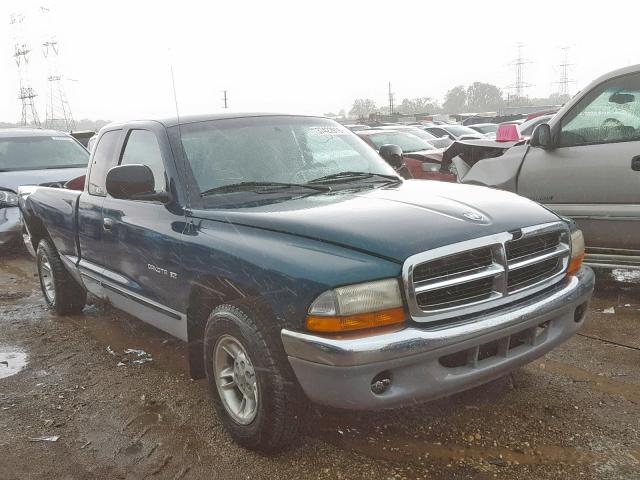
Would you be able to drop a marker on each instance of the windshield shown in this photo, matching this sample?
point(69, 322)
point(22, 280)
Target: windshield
point(35, 153)
point(459, 130)
point(274, 149)
point(485, 128)
point(406, 141)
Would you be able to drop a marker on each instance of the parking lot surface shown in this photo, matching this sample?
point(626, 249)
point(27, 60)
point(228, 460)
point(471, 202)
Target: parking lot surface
point(102, 395)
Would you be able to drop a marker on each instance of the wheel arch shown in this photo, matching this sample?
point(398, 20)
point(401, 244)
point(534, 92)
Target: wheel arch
point(207, 293)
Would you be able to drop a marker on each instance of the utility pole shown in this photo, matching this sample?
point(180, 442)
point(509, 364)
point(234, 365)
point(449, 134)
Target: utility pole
point(224, 99)
point(564, 67)
point(58, 113)
point(520, 85)
point(390, 100)
point(26, 93)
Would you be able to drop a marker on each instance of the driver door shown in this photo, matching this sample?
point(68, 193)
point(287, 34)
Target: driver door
point(593, 175)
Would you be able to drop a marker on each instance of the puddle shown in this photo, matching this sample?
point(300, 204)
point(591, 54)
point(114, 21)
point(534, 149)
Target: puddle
point(12, 360)
point(627, 276)
point(131, 342)
point(602, 384)
point(414, 451)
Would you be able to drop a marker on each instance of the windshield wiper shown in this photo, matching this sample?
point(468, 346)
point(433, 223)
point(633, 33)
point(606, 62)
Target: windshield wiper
point(344, 177)
point(262, 187)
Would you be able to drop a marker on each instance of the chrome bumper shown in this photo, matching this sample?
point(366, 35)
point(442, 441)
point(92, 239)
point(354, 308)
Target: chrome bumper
point(338, 371)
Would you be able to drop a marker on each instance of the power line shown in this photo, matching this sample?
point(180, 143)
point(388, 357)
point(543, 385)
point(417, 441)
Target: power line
point(58, 112)
point(520, 85)
point(27, 94)
point(565, 67)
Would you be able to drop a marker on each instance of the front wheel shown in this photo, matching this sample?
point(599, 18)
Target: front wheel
point(255, 395)
point(61, 291)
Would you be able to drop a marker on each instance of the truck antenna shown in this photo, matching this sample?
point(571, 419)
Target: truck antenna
point(183, 154)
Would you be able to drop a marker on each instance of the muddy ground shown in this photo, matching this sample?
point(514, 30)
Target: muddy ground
point(573, 414)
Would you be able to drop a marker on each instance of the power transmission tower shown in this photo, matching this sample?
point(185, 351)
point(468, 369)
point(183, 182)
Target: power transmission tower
point(520, 85)
point(58, 114)
point(564, 67)
point(390, 100)
point(26, 93)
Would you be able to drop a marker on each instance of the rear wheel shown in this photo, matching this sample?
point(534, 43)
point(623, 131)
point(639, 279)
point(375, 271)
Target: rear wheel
point(61, 292)
point(254, 390)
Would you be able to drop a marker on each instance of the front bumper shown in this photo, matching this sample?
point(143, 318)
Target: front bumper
point(427, 363)
point(10, 225)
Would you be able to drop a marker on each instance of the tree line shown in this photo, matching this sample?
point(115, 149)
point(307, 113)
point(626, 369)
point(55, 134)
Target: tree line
point(477, 97)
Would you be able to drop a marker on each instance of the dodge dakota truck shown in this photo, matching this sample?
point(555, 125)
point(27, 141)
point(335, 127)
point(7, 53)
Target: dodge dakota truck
point(299, 266)
point(583, 164)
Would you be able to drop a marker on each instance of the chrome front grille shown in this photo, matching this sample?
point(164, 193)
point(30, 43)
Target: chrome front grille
point(468, 277)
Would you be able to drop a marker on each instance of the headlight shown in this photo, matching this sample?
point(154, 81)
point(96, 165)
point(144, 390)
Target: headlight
point(8, 199)
point(430, 167)
point(354, 307)
point(577, 251)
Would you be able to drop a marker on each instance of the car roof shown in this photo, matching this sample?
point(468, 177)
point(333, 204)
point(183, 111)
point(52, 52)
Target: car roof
point(480, 125)
point(183, 120)
point(372, 131)
point(30, 132)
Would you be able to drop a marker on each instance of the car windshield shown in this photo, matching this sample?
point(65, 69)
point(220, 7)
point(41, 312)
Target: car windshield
point(406, 141)
point(282, 149)
point(459, 130)
point(485, 128)
point(41, 152)
point(526, 128)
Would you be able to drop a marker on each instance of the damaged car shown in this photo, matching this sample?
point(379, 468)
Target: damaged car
point(583, 164)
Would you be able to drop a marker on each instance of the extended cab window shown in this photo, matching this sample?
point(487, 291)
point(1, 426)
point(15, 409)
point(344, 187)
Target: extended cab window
point(142, 148)
point(609, 113)
point(103, 159)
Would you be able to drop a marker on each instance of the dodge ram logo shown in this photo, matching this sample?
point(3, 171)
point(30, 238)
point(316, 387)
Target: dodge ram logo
point(476, 217)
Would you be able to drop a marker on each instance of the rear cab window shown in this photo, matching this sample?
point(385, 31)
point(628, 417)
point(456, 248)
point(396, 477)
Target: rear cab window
point(142, 148)
point(104, 158)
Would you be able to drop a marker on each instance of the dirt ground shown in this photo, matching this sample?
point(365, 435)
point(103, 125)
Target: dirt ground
point(573, 414)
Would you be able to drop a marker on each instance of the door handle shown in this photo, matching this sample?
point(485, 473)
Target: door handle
point(107, 223)
point(635, 163)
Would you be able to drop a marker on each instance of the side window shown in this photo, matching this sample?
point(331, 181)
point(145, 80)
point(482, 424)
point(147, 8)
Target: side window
point(142, 148)
point(609, 113)
point(103, 159)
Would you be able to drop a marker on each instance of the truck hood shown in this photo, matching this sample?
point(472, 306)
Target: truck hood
point(12, 180)
point(394, 222)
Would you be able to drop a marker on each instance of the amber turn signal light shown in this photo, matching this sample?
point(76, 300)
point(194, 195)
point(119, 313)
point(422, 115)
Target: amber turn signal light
point(359, 321)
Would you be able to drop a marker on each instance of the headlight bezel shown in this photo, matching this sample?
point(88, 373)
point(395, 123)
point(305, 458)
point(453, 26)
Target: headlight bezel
point(358, 306)
point(8, 198)
point(576, 239)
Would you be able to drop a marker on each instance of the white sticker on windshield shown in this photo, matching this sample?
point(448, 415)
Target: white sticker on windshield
point(327, 131)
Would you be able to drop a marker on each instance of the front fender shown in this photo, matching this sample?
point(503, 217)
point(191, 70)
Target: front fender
point(287, 272)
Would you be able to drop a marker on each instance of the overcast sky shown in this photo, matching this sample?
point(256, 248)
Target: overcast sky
point(301, 56)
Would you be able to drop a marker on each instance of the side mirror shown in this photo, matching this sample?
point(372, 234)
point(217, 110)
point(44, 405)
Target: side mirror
point(133, 182)
point(541, 137)
point(392, 154)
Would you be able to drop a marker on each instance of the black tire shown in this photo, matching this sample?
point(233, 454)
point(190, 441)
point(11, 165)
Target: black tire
point(282, 406)
point(68, 296)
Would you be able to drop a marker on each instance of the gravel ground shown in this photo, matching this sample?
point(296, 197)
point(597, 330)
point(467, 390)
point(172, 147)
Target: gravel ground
point(572, 414)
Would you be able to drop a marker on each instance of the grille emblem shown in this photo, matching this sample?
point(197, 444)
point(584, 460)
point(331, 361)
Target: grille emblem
point(476, 217)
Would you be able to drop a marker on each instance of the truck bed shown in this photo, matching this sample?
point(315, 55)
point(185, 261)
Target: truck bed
point(56, 210)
